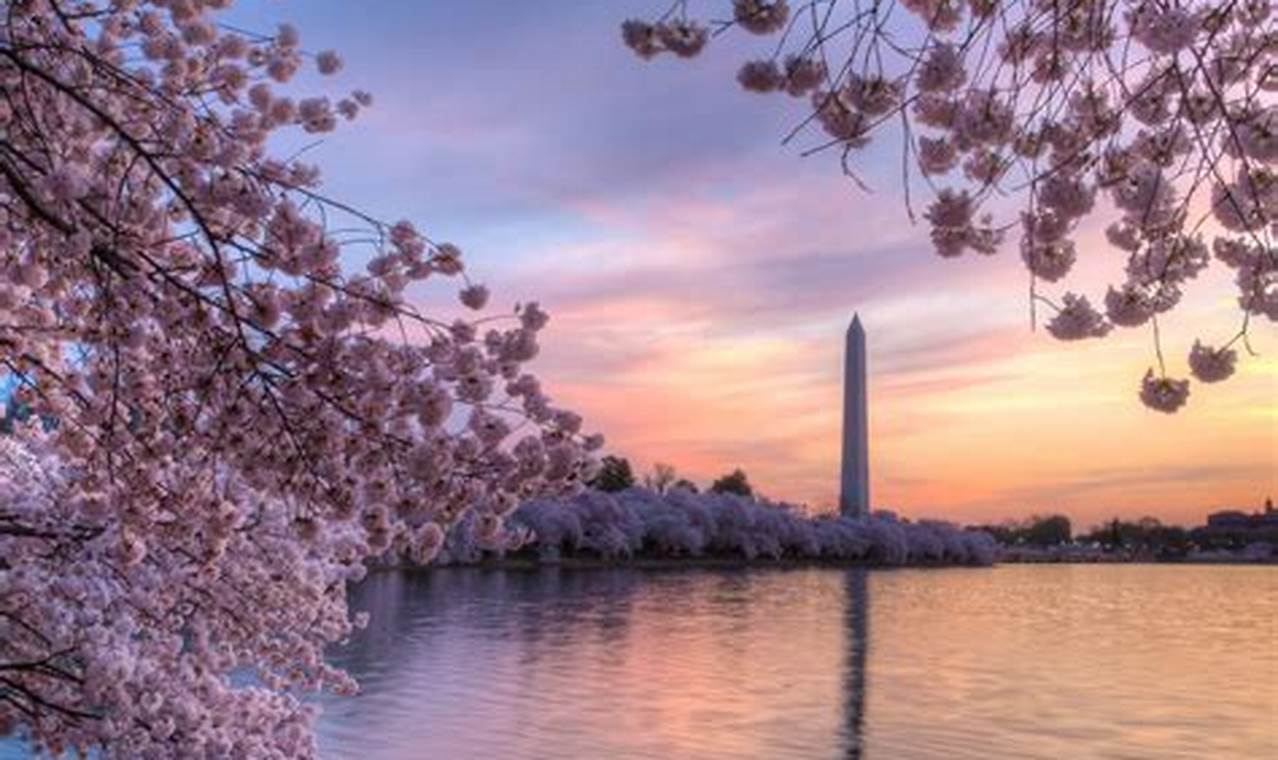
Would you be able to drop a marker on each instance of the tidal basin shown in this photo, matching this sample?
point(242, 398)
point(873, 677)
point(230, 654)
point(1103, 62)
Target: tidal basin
point(1062, 661)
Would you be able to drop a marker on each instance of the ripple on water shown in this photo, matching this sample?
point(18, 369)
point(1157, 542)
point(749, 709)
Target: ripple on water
point(1091, 662)
point(1023, 661)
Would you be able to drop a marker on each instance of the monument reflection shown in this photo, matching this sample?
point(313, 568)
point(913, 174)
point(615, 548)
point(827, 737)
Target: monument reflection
point(856, 620)
point(619, 663)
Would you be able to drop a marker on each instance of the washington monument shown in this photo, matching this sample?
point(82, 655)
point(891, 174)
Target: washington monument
point(854, 496)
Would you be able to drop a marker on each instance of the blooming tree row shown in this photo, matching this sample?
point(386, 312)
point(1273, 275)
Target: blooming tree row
point(235, 401)
point(678, 523)
point(1157, 117)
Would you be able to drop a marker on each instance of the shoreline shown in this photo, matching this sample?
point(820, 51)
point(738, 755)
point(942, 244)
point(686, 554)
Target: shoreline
point(525, 564)
point(1140, 561)
point(672, 563)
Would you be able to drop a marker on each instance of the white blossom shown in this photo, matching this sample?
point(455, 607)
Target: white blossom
point(1077, 320)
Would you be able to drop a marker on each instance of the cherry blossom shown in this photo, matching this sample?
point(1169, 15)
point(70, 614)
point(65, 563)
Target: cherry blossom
point(937, 156)
point(1077, 320)
point(474, 296)
point(1050, 260)
point(1129, 306)
point(1163, 394)
point(640, 522)
point(761, 16)
point(760, 76)
point(1155, 118)
point(803, 74)
point(328, 62)
point(941, 70)
point(230, 402)
point(683, 38)
point(642, 38)
point(1211, 365)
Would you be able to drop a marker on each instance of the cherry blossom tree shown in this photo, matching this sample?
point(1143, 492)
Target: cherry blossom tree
point(642, 523)
point(233, 403)
point(1156, 117)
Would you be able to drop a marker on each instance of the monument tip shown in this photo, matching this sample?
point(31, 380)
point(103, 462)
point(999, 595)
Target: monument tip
point(856, 323)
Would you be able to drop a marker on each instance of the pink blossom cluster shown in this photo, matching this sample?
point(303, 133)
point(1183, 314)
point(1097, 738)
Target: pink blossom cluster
point(234, 402)
point(640, 522)
point(1158, 117)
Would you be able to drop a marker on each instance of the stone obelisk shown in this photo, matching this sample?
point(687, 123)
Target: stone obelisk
point(854, 496)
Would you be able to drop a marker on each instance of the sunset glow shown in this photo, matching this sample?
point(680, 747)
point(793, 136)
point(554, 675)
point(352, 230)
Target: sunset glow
point(700, 276)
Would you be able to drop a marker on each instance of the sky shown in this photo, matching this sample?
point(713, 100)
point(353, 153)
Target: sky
point(700, 276)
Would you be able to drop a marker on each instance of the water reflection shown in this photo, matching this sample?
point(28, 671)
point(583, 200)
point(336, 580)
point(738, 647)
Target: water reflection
point(617, 663)
point(856, 621)
point(1096, 662)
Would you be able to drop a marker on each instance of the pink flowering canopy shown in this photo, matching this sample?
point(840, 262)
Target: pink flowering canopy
point(1158, 118)
point(231, 402)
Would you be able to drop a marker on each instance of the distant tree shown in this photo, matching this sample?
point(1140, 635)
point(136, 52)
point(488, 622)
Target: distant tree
point(683, 484)
point(1172, 541)
point(1040, 530)
point(733, 482)
point(614, 475)
point(1048, 531)
point(1004, 533)
point(1148, 534)
point(662, 478)
point(1112, 534)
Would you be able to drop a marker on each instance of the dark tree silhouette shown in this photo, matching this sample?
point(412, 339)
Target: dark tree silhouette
point(662, 478)
point(733, 482)
point(614, 475)
point(684, 484)
point(1048, 531)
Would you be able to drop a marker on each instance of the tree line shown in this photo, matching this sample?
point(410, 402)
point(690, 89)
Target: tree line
point(1145, 535)
point(615, 474)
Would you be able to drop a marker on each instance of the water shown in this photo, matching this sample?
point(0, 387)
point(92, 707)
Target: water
point(1082, 661)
